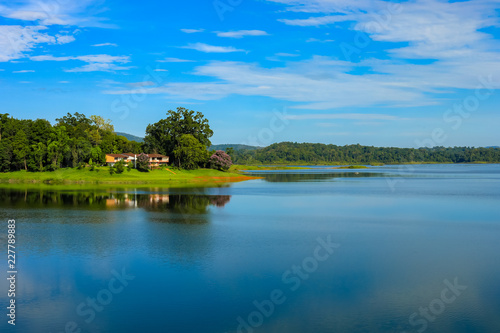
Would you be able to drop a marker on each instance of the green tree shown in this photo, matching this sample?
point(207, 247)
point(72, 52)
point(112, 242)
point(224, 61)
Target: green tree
point(5, 156)
point(97, 155)
point(164, 136)
point(20, 149)
point(58, 145)
point(100, 128)
point(38, 154)
point(4, 120)
point(120, 166)
point(190, 153)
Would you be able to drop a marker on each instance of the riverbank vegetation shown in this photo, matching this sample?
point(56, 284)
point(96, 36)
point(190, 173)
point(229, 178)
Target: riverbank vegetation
point(292, 153)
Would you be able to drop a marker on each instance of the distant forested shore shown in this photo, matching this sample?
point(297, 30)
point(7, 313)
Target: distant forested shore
point(318, 153)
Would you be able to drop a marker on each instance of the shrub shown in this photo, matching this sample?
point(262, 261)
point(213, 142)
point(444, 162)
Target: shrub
point(220, 161)
point(120, 166)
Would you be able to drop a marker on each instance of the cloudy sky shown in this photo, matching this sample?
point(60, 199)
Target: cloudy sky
point(383, 73)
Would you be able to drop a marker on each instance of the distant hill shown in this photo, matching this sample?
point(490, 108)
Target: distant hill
point(130, 137)
point(235, 146)
point(493, 147)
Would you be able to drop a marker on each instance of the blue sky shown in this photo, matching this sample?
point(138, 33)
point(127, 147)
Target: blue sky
point(382, 73)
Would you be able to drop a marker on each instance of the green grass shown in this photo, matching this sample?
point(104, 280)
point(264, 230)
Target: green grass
point(159, 176)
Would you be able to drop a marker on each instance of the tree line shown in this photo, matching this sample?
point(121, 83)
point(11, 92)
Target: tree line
point(37, 145)
point(317, 153)
point(76, 140)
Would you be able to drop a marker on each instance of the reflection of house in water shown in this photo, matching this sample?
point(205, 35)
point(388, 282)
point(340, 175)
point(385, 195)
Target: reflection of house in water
point(159, 198)
point(166, 202)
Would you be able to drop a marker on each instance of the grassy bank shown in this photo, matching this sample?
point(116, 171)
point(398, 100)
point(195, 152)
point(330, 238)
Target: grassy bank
point(200, 177)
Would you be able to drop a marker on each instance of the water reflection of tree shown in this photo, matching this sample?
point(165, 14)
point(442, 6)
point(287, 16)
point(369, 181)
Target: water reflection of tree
point(183, 203)
point(98, 200)
point(300, 177)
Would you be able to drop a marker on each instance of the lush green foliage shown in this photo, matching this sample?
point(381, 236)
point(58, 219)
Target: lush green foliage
point(220, 160)
point(316, 153)
point(167, 136)
point(190, 153)
point(36, 145)
point(119, 166)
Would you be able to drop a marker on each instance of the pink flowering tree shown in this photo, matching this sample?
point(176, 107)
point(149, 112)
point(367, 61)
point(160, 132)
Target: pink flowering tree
point(220, 160)
point(142, 162)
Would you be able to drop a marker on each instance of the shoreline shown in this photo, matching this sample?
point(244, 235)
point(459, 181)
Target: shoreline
point(85, 177)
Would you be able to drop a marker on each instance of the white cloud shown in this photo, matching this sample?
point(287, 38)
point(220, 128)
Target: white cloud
point(434, 29)
point(142, 84)
point(174, 60)
point(105, 44)
point(24, 71)
point(99, 62)
point(64, 82)
point(319, 83)
point(161, 70)
point(192, 31)
point(51, 58)
point(323, 83)
point(211, 48)
point(64, 39)
point(241, 33)
point(343, 116)
point(16, 40)
point(281, 54)
point(82, 13)
point(317, 21)
point(316, 40)
point(452, 37)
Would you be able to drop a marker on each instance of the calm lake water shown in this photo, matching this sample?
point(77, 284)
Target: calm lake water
point(386, 249)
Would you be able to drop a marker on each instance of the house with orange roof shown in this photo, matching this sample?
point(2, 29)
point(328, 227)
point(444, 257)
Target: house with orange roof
point(155, 160)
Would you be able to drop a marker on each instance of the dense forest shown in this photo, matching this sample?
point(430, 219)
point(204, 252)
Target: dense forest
point(37, 145)
point(78, 141)
point(317, 153)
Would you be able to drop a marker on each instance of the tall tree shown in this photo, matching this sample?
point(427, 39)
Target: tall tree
point(100, 128)
point(4, 119)
point(163, 137)
point(38, 153)
point(58, 146)
point(20, 149)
